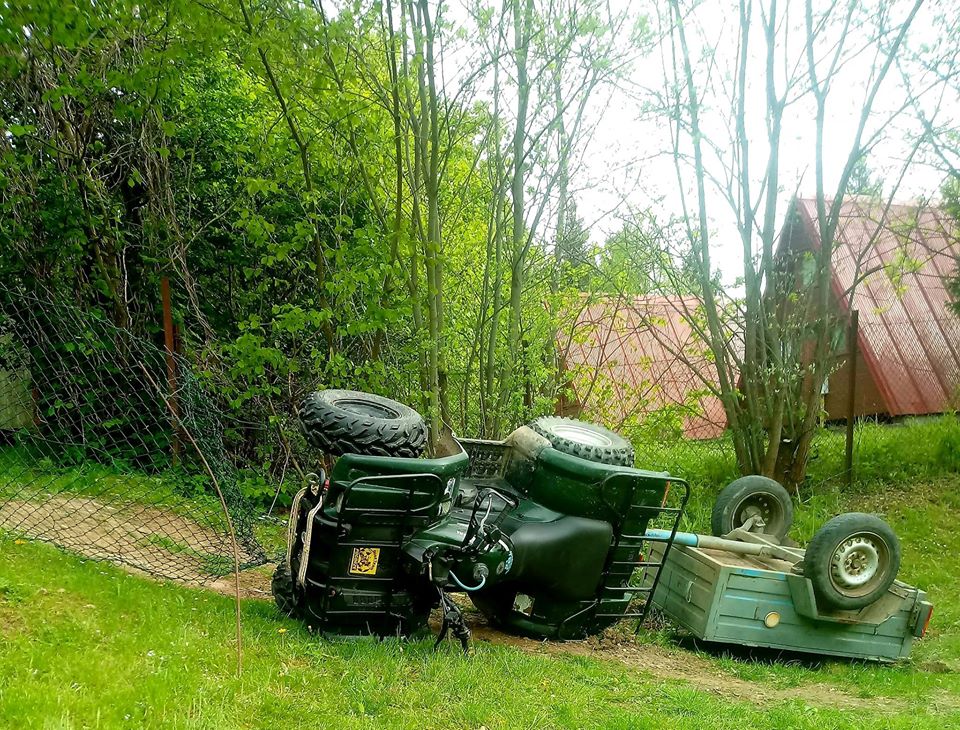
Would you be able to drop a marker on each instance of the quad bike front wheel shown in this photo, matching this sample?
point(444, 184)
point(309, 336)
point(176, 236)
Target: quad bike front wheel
point(350, 422)
point(587, 440)
point(852, 560)
point(757, 497)
point(282, 587)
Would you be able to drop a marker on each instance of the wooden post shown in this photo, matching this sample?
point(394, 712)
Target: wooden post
point(170, 345)
point(852, 336)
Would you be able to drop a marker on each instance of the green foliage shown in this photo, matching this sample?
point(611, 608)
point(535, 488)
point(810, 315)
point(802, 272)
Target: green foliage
point(863, 181)
point(646, 256)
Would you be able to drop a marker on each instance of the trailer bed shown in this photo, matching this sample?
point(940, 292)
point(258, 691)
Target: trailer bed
point(725, 597)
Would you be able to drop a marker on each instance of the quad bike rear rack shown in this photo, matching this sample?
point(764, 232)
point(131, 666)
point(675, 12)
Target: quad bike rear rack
point(629, 560)
point(640, 545)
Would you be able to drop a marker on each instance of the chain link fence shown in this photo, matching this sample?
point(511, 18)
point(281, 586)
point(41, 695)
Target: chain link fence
point(112, 447)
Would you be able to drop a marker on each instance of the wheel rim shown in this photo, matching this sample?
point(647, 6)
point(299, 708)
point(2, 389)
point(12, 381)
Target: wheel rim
point(581, 435)
point(859, 563)
point(366, 408)
point(763, 505)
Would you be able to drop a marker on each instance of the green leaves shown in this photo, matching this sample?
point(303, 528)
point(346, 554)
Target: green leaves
point(21, 130)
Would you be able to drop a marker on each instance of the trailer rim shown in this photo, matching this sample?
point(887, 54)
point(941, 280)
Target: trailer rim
point(858, 563)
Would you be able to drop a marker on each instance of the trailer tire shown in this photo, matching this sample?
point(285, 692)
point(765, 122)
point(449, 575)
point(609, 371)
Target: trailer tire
point(750, 495)
point(351, 422)
point(281, 585)
point(586, 440)
point(852, 560)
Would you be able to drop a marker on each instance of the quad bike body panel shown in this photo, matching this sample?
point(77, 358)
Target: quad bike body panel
point(389, 534)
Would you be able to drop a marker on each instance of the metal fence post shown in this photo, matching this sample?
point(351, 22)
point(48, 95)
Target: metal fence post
point(170, 346)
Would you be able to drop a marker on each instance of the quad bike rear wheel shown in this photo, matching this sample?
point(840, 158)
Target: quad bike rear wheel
point(852, 560)
point(753, 496)
point(351, 422)
point(587, 440)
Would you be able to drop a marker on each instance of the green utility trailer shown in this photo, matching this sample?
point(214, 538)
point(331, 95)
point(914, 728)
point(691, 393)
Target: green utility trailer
point(761, 600)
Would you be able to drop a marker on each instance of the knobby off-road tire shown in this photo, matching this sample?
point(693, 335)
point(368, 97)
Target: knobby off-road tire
point(351, 422)
point(748, 496)
point(586, 440)
point(852, 560)
point(282, 587)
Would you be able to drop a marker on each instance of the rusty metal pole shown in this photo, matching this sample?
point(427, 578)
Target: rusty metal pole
point(169, 345)
point(852, 390)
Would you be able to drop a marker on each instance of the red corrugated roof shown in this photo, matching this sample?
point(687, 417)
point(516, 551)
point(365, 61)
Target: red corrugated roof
point(896, 262)
point(629, 356)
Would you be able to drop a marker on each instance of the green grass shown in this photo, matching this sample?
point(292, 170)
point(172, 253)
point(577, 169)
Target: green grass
point(914, 448)
point(83, 644)
point(87, 646)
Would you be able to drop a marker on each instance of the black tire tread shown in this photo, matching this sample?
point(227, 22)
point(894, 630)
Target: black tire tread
point(620, 454)
point(281, 585)
point(335, 431)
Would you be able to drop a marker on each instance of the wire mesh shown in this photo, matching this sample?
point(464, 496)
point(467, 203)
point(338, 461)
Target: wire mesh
point(109, 446)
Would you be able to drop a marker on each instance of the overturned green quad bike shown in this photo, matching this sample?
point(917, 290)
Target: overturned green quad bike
point(546, 531)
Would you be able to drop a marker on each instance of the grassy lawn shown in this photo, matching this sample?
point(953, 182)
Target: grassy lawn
point(82, 644)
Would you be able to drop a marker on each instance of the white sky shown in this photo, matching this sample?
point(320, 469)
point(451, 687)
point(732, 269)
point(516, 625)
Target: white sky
point(618, 172)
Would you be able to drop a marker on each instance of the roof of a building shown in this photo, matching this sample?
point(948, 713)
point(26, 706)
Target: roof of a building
point(629, 356)
point(896, 260)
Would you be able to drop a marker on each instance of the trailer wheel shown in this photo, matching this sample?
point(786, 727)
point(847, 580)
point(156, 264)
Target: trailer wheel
point(351, 422)
point(281, 585)
point(587, 440)
point(753, 496)
point(852, 560)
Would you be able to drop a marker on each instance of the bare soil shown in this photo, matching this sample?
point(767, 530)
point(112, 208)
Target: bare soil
point(140, 537)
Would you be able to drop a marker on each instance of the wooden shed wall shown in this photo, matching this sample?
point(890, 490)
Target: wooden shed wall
point(867, 398)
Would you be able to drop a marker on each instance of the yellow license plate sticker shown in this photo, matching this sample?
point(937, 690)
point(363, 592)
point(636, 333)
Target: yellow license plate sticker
point(364, 561)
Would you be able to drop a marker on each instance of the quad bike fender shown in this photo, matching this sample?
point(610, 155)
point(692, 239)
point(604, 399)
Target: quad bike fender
point(563, 559)
point(575, 486)
point(350, 467)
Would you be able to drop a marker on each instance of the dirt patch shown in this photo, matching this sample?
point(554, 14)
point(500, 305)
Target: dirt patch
point(141, 537)
point(664, 663)
point(11, 624)
point(254, 583)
